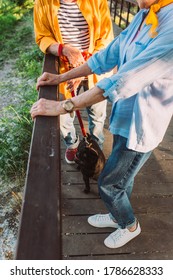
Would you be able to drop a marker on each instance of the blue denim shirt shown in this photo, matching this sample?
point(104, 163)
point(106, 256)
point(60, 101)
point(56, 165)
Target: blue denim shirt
point(142, 89)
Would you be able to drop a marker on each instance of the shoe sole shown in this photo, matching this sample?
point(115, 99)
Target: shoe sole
point(68, 161)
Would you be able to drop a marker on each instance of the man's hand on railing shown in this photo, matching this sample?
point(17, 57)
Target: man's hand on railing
point(47, 79)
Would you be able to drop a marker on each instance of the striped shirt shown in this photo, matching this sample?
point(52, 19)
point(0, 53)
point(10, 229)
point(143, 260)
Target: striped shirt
point(73, 26)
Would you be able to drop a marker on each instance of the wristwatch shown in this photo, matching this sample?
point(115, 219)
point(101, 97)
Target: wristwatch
point(68, 105)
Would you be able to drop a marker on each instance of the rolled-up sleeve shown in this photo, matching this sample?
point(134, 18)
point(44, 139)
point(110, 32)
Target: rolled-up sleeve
point(105, 60)
point(135, 74)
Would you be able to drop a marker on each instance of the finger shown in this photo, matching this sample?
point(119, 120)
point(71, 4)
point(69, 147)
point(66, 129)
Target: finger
point(70, 87)
point(42, 83)
point(37, 87)
point(34, 105)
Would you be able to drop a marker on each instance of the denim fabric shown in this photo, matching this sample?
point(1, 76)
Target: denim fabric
point(96, 118)
point(116, 180)
point(145, 72)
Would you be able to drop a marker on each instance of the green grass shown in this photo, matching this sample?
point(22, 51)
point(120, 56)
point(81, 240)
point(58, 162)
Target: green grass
point(15, 136)
point(16, 29)
point(17, 43)
point(29, 63)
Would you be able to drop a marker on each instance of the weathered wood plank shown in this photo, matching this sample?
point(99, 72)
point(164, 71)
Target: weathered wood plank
point(154, 189)
point(149, 255)
point(142, 178)
point(92, 244)
point(40, 227)
point(141, 204)
point(154, 221)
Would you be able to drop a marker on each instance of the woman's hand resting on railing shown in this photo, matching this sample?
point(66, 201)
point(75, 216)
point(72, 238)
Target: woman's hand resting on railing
point(74, 74)
point(47, 79)
point(45, 107)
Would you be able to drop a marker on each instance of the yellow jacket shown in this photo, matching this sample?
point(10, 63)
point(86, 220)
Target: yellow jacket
point(47, 31)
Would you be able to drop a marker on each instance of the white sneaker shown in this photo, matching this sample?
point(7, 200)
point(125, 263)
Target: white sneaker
point(102, 221)
point(120, 237)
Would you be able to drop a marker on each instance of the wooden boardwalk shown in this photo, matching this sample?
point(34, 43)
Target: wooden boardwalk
point(152, 200)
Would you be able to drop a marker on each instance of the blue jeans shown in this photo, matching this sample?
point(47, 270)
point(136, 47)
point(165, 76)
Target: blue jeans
point(117, 178)
point(96, 119)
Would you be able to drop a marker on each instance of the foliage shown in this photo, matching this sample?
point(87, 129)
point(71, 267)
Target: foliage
point(15, 135)
point(29, 63)
point(16, 7)
point(10, 17)
point(16, 124)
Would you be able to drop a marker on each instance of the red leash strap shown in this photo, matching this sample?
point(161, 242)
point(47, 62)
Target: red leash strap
point(86, 55)
point(79, 118)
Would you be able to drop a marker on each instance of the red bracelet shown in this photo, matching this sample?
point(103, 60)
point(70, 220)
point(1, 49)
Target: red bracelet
point(60, 47)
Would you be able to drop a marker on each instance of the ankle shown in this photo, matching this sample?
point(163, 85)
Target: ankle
point(134, 227)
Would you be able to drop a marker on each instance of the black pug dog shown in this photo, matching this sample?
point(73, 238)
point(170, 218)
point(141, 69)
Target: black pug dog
point(90, 160)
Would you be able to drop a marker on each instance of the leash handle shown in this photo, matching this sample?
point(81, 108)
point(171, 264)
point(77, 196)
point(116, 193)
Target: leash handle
point(79, 118)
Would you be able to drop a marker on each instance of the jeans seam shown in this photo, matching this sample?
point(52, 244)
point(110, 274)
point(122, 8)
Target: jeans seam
point(127, 172)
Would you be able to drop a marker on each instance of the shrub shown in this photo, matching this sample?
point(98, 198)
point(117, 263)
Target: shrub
point(10, 17)
point(29, 64)
point(15, 136)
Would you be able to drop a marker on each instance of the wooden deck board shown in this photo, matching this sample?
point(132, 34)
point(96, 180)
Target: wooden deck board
point(78, 224)
point(152, 200)
point(92, 244)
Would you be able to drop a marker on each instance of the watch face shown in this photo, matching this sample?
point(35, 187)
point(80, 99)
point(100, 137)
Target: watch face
point(68, 105)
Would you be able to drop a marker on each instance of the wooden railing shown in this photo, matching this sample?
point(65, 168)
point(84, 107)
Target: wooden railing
point(123, 11)
point(40, 226)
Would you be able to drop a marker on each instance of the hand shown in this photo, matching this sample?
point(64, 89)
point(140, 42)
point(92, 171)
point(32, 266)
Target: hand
point(47, 79)
point(74, 56)
point(72, 85)
point(45, 107)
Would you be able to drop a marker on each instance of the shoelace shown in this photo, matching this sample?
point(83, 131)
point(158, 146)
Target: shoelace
point(103, 218)
point(118, 234)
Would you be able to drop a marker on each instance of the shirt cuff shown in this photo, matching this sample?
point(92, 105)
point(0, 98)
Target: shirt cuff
point(109, 88)
point(93, 65)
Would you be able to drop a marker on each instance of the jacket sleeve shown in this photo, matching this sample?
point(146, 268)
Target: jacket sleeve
point(43, 34)
point(156, 53)
point(105, 26)
point(156, 57)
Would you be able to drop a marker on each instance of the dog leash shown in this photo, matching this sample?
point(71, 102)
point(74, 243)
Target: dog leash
point(68, 66)
point(86, 55)
point(80, 119)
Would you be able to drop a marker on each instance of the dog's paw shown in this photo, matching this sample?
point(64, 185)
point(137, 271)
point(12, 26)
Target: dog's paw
point(86, 191)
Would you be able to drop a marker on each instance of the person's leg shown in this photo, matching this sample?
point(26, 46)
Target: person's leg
point(115, 186)
point(69, 135)
point(68, 130)
point(96, 118)
point(116, 181)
